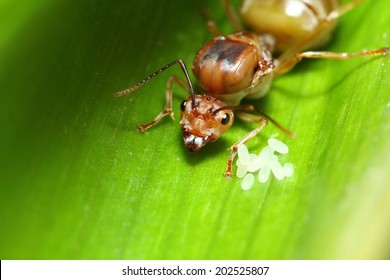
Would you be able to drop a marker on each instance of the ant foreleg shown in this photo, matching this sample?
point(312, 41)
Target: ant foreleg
point(246, 138)
point(168, 91)
point(168, 103)
point(262, 118)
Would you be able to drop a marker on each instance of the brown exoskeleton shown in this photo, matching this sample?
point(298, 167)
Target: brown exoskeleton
point(240, 65)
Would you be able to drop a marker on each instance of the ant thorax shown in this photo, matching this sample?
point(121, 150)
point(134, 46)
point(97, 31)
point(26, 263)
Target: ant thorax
point(203, 122)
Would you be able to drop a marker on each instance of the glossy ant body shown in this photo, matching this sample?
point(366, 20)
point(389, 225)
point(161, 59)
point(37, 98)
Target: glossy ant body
point(240, 65)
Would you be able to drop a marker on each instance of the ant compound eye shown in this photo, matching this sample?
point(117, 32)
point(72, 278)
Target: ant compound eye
point(225, 119)
point(183, 105)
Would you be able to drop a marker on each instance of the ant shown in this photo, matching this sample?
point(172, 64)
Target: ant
point(240, 65)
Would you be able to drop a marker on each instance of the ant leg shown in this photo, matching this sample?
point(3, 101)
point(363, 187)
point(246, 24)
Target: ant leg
point(330, 55)
point(232, 16)
point(168, 91)
point(211, 25)
point(342, 56)
point(248, 117)
point(168, 103)
point(246, 138)
point(288, 59)
point(263, 119)
point(213, 28)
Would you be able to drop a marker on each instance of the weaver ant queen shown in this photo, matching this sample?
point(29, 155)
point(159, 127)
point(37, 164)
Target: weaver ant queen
point(240, 65)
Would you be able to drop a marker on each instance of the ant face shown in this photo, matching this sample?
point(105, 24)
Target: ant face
point(203, 122)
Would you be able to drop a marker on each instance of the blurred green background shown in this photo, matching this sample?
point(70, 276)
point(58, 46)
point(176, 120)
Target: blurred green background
point(78, 182)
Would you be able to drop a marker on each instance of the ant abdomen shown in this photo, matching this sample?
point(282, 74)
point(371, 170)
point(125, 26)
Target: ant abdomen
point(289, 21)
point(227, 66)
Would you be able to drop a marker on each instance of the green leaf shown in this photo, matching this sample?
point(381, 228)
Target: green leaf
point(78, 182)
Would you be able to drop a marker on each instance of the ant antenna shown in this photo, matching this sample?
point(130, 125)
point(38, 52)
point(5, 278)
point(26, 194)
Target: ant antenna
point(252, 108)
point(148, 78)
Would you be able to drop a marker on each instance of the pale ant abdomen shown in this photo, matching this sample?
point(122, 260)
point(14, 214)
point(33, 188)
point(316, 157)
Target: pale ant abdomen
point(289, 21)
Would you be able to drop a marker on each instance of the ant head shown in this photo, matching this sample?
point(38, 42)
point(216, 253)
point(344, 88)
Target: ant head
point(203, 122)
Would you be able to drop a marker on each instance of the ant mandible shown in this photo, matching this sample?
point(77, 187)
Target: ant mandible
point(240, 65)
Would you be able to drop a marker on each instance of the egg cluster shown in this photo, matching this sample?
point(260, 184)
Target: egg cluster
point(265, 163)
